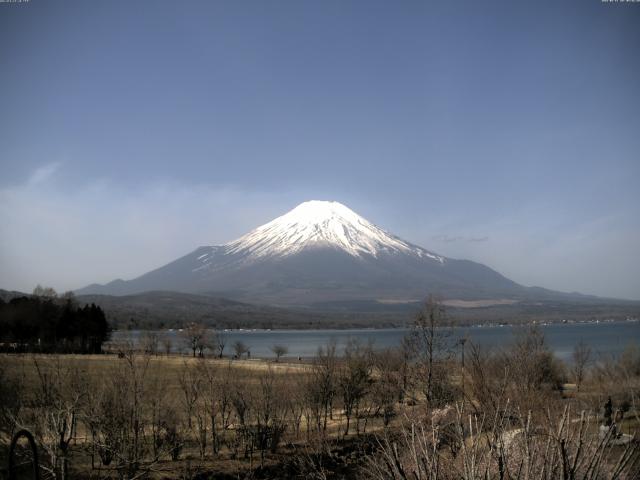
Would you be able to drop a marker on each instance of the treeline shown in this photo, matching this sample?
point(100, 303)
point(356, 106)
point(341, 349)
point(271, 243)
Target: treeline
point(45, 322)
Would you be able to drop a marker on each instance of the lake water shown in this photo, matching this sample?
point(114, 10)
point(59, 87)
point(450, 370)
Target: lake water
point(604, 338)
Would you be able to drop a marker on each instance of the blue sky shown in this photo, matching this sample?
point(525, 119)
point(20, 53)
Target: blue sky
point(504, 132)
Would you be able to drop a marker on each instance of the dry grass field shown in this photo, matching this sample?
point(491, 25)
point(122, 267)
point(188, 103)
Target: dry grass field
point(381, 415)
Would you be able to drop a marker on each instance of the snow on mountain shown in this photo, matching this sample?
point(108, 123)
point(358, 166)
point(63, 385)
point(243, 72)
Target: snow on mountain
point(316, 224)
point(321, 257)
point(319, 252)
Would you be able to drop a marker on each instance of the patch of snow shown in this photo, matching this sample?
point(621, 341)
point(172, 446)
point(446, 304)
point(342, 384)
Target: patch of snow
point(320, 223)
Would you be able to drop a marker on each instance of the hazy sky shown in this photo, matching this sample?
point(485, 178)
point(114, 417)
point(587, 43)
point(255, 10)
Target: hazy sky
point(508, 132)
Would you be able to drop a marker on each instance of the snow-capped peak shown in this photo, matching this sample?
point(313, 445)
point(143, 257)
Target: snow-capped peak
point(322, 224)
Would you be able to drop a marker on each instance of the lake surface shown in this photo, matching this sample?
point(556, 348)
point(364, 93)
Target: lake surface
point(604, 338)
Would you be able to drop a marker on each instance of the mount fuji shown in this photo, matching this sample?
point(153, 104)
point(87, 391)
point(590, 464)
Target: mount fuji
point(321, 253)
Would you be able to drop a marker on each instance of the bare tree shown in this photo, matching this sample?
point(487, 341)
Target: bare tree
point(212, 401)
point(279, 350)
point(581, 358)
point(488, 380)
point(240, 348)
point(220, 341)
point(354, 379)
point(430, 337)
point(55, 411)
point(224, 389)
point(535, 374)
point(202, 417)
point(118, 420)
point(150, 343)
point(269, 411)
point(190, 389)
point(194, 336)
point(321, 387)
point(44, 292)
point(295, 398)
point(193, 383)
point(388, 387)
point(242, 402)
point(206, 343)
point(164, 420)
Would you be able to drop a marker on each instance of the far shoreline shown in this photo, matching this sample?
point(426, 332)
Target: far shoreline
point(315, 328)
point(609, 337)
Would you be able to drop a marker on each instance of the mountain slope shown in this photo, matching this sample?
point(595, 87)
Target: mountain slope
point(320, 252)
point(175, 310)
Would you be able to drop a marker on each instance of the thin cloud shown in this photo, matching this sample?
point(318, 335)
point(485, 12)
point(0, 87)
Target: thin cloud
point(44, 173)
point(99, 231)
